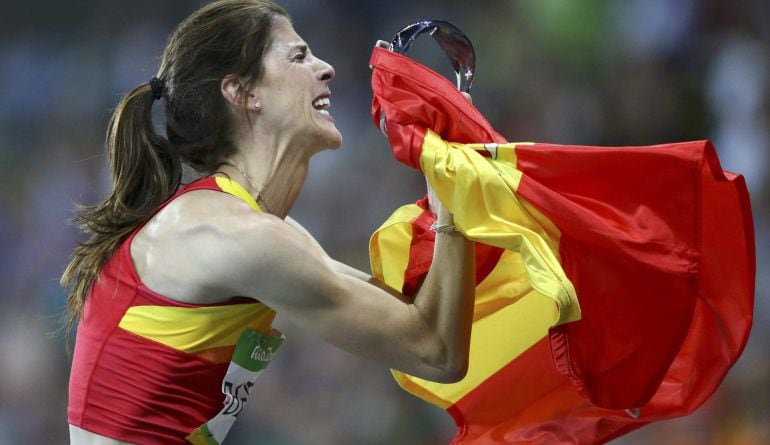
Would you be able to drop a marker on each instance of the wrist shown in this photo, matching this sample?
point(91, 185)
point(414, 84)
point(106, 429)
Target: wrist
point(438, 227)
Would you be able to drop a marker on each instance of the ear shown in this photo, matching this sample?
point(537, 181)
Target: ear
point(234, 93)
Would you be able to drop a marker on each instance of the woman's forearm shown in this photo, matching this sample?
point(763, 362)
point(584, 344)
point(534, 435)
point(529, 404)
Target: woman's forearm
point(445, 299)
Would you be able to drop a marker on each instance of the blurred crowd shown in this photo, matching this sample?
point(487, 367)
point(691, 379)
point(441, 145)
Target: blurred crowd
point(593, 72)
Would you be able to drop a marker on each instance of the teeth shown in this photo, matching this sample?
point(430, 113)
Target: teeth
point(322, 103)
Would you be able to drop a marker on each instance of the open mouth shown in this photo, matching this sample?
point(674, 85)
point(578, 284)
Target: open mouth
point(322, 105)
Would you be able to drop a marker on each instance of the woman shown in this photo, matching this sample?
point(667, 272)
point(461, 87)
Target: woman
point(177, 286)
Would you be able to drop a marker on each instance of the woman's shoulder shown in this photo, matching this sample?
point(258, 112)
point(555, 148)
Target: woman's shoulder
point(178, 252)
point(191, 212)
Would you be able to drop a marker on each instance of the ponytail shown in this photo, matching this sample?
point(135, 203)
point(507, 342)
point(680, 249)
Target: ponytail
point(145, 172)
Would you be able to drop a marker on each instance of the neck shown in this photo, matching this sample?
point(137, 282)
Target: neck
point(273, 176)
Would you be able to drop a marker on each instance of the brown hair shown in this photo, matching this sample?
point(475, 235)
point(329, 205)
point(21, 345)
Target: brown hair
point(223, 37)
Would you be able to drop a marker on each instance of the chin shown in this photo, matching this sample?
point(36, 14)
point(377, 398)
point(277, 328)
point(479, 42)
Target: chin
point(324, 136)
point(331, 139)
point(336, 142)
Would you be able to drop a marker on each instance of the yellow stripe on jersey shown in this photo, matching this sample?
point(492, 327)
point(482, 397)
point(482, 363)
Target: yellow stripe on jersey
point(235, 189)
point(197, 329)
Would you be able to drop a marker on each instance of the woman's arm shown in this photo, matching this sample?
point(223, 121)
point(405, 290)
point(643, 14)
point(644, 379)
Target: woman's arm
point(266, 258)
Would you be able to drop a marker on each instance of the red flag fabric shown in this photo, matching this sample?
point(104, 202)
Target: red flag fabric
point(649, 252)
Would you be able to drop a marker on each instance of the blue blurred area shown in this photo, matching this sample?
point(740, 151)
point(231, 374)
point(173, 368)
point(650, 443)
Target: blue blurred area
point(576, 72)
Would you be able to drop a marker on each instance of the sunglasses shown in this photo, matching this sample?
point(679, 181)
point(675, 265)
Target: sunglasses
point(455, 44)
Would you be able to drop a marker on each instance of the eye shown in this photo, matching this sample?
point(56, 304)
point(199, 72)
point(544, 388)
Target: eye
point(299, 57)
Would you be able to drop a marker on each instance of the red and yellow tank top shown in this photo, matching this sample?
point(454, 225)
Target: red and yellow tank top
point(148, 369)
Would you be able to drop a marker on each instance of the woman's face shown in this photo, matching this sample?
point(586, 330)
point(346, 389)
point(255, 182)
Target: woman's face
point(294, 91)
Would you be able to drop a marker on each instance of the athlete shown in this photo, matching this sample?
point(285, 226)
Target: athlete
point(176, 288)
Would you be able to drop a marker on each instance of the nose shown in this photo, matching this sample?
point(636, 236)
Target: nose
point(325, 71)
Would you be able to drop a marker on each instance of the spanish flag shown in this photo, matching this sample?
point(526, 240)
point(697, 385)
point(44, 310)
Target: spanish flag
point(615, 285)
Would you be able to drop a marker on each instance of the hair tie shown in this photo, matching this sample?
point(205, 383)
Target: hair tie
point(157, 86)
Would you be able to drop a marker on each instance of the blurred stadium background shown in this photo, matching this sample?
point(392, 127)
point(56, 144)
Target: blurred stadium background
point(589, 72)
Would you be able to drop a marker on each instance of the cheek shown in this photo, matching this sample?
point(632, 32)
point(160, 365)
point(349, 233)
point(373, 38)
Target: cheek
point(297, 100)
point(290, 95)
point(287, 104)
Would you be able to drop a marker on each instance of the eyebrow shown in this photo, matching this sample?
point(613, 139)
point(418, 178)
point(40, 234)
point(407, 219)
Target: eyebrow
point(300, 46)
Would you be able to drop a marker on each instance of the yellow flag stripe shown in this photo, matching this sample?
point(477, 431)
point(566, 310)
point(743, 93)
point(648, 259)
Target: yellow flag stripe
point(520, 325)
point(481, 193)
point(506, 284)
point(391, 247)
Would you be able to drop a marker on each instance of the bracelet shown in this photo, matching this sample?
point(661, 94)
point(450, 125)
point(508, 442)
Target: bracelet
point(443, 228)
